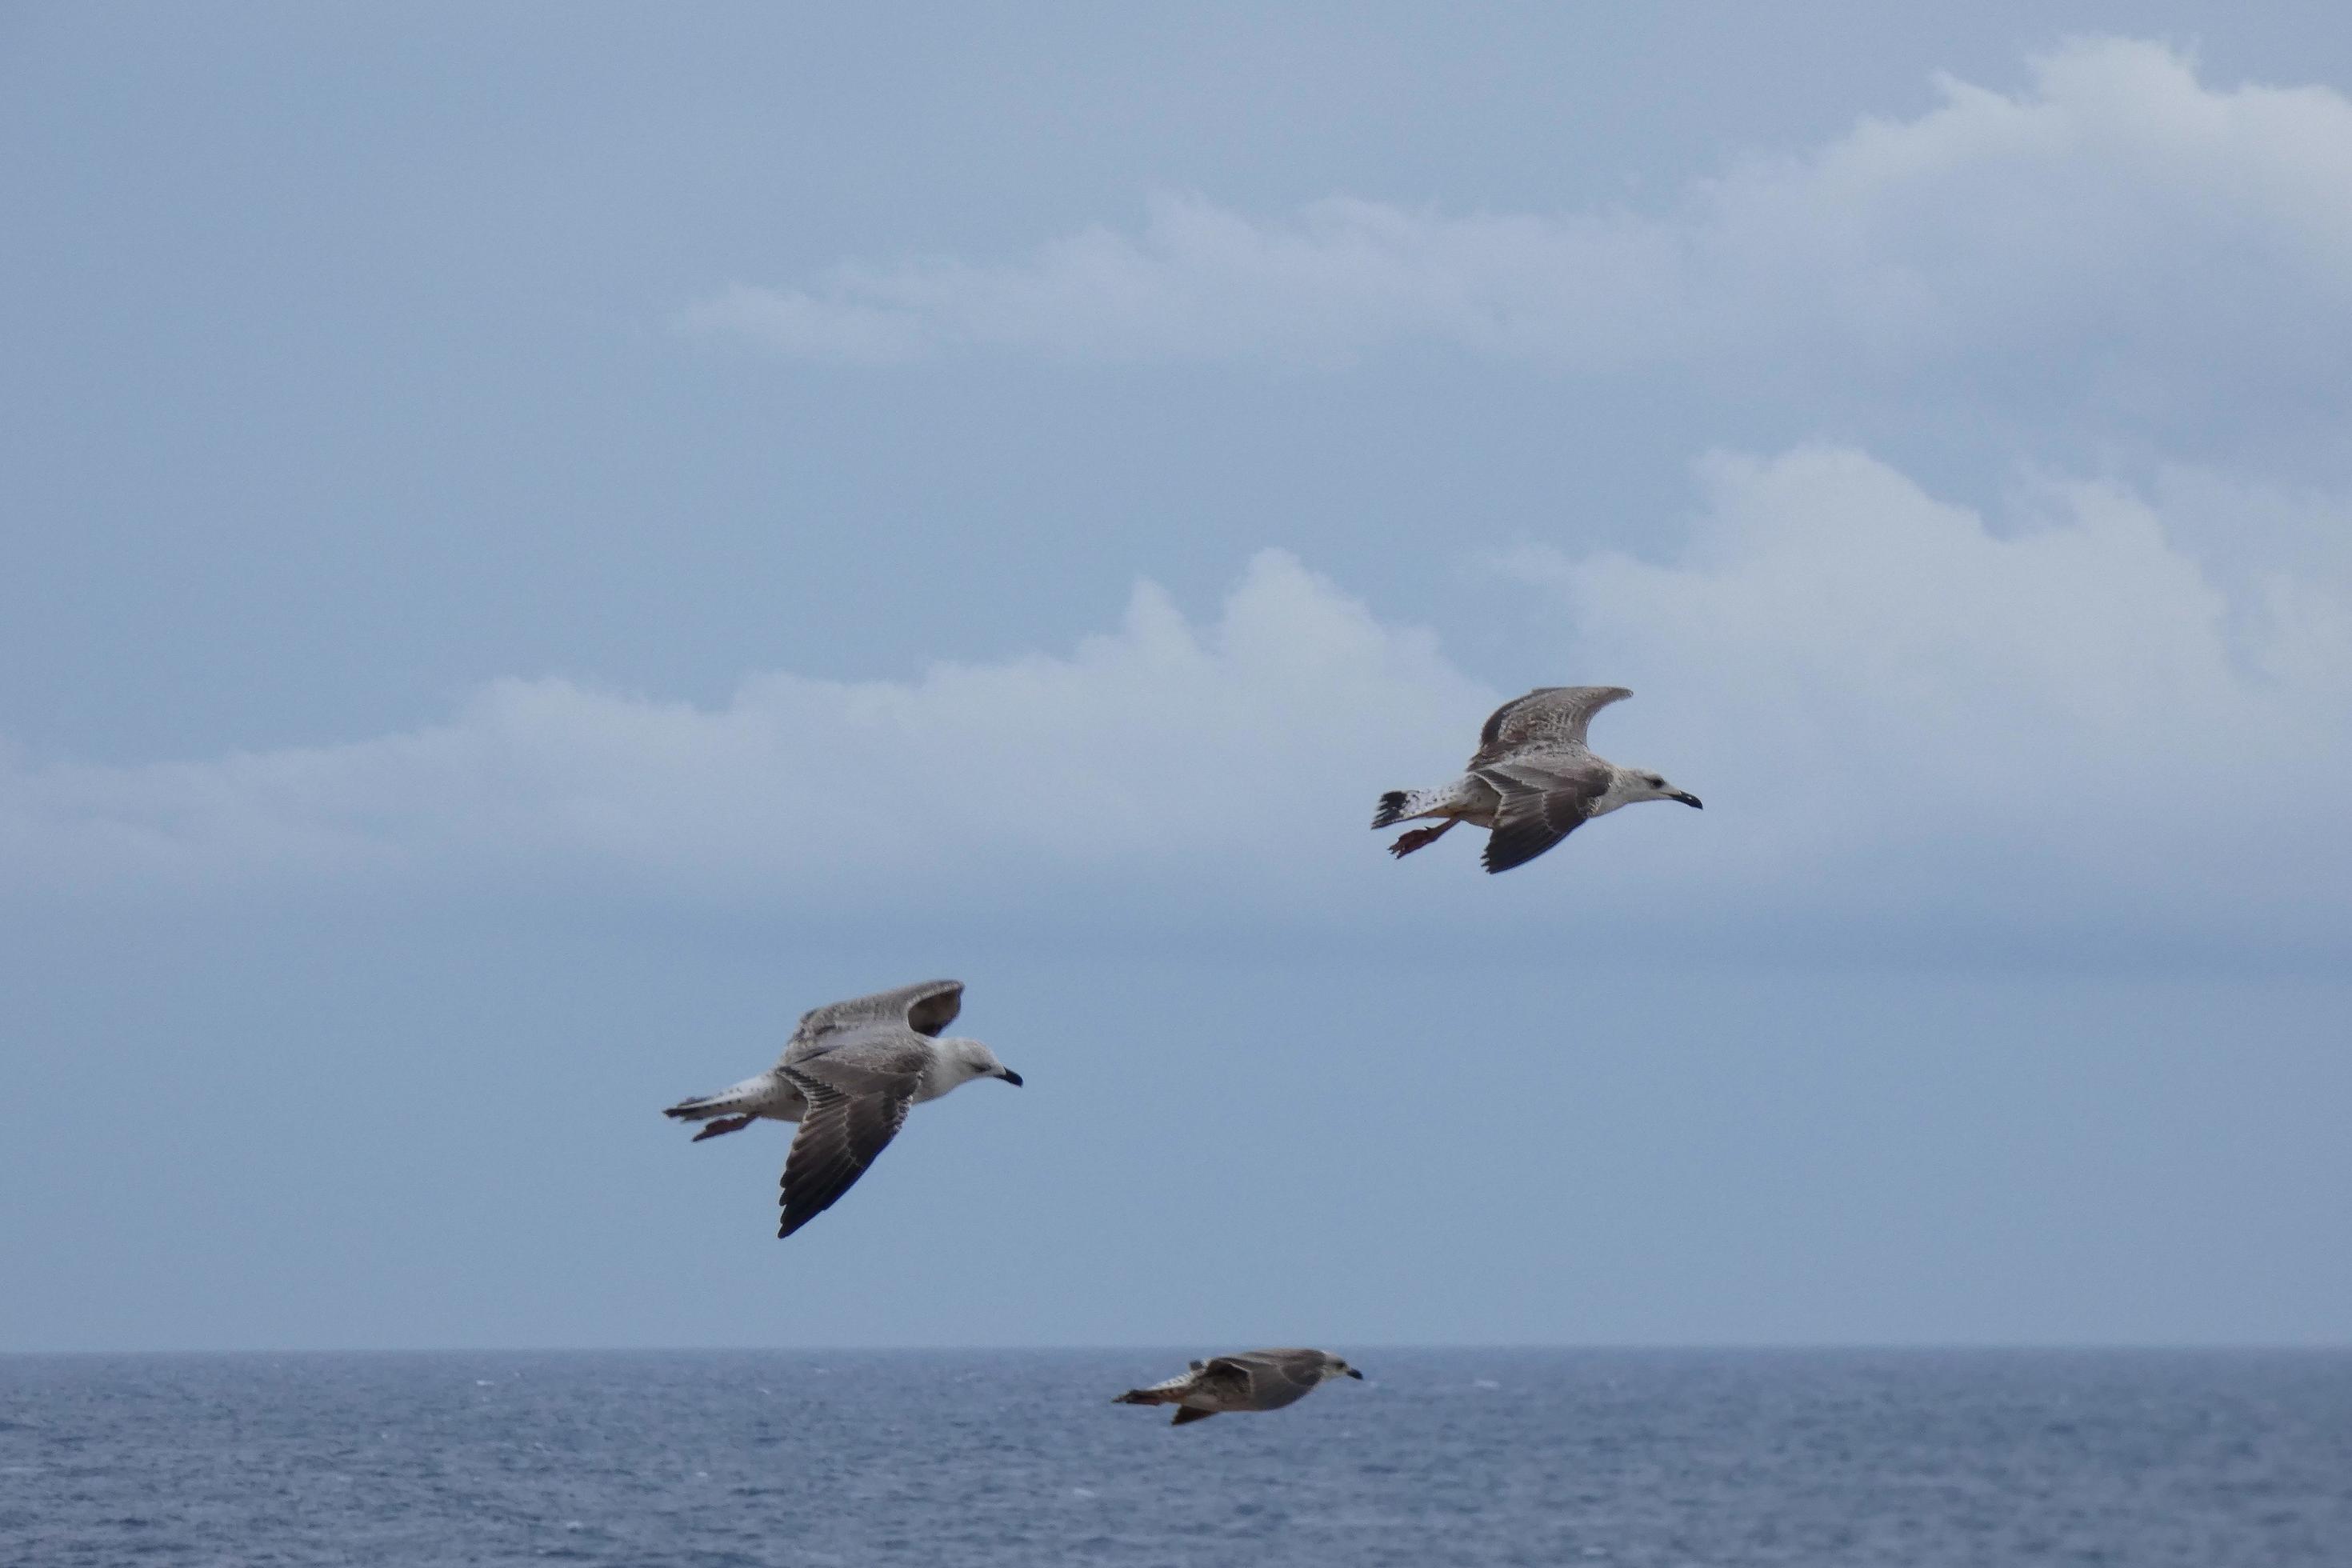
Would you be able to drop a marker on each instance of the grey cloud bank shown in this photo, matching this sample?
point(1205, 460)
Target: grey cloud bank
point(2068, 718)
point(2088, 215)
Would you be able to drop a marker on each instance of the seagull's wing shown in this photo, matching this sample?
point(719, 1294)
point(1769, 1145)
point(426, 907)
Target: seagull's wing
point(1275, 1378)
point(1548, 716)
point(858, 1095)
point(1225, 1378)
point(926, 1007)
point(1544, 801)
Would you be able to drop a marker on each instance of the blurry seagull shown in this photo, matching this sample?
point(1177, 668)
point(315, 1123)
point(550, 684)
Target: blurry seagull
point(1531, 780)
point(848, 1076)
point(1254, 1380)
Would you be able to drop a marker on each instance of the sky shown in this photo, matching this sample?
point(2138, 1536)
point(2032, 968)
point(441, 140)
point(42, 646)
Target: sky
point(541, 542)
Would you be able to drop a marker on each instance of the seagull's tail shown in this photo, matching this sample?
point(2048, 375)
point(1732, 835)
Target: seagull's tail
point(1400, 804)
point(741, 1097)
point(1167, 1393)
point(1147, 1396)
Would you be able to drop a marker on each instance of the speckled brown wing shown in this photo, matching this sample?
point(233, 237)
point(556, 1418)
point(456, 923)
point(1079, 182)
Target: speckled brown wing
point(1548, 718)
point(1269, 1378)
point(839, 1137)
point(859, 1085)
point(926, 1007)
point(1544, 800)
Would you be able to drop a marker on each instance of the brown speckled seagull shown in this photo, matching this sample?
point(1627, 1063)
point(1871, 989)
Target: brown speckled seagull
point(1253, 1380)
point(849, 1075)
point(1532, 780)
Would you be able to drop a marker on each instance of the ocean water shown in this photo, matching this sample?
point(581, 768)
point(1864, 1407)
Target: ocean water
point(1915, 1460)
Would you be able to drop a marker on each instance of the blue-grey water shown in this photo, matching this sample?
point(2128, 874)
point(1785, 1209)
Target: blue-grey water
point(1626, 1459)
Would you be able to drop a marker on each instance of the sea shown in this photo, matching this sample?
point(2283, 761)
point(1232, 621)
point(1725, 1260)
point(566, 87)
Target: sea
point(979, 1458)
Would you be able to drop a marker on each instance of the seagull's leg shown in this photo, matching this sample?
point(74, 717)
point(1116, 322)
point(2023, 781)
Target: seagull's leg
point(1421, 837)
point(712, 1129)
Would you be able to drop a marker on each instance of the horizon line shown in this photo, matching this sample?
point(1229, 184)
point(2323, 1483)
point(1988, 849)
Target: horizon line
point(1758, 1347)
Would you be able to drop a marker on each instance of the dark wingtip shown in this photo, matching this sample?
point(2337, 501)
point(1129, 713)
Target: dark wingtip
point(1392, 809)
point(1514, 844)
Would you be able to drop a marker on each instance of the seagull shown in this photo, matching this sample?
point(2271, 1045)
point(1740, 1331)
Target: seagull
point(1254, 1380)
point(848, 1076)
point(1531, 780)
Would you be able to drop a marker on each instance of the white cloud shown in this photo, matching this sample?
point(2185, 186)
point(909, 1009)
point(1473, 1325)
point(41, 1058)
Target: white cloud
point(1896, 711)
point(2115, 218)
point(1166, 749)
point(2070, 716)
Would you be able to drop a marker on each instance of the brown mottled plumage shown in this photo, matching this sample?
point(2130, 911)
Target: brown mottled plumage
point(849, 1075)
point(1532, 780)
point(1251, 1380)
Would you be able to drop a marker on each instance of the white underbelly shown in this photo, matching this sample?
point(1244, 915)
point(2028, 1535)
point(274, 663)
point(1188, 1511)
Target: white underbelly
point(1472, 800)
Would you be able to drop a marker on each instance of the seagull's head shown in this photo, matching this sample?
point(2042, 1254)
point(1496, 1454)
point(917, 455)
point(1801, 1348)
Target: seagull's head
point(1334, 1367)
point(977, 1060)
point(1650, 786)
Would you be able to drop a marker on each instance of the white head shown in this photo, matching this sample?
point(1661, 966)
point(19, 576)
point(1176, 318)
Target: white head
point(1334, 1367)
point(1640, 783)
point(968, 1059)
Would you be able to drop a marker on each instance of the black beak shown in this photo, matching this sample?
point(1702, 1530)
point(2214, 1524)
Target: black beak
point(1009, 1076)
point(1354, 1374)
point(1689, 800)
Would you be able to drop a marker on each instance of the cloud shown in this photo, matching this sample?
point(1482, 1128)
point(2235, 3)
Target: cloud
point(1165, 750)
point(1908, 721)
point(2068, 717)
point(2118, 226)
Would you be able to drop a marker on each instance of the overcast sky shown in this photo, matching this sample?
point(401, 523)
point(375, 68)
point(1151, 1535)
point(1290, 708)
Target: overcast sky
point(541, 542)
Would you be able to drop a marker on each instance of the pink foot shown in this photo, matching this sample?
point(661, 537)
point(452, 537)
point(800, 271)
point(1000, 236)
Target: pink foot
point(1418, 838)
point(717, 1125)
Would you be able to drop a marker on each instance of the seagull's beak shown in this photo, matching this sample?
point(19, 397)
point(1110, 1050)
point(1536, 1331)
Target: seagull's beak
point(1009, 1076)
point(1356, 1374)
point(1688, 800)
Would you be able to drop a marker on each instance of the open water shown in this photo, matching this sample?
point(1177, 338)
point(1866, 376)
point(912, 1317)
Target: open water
point(1621, 1458)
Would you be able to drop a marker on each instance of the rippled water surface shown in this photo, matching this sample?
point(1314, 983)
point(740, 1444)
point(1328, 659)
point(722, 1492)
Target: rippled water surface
point(1917, 1460)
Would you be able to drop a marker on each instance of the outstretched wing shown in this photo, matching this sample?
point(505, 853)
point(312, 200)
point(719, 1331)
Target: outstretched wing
point(1273, 1378)
point(1550, 717)
point(853, 1113)
point(926, 1007)
point(1541, 805)
point(1225, 1379)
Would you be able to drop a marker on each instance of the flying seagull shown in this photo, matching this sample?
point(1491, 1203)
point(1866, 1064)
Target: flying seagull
point(1532, 780)
point(848, 1076)
point(1254, 1380)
